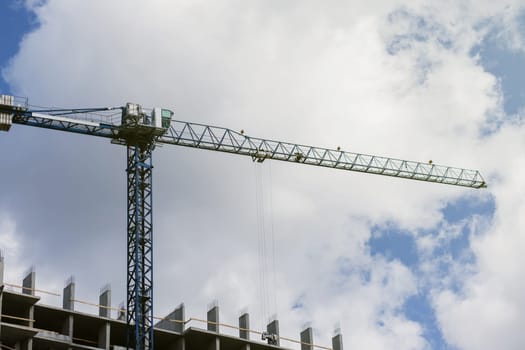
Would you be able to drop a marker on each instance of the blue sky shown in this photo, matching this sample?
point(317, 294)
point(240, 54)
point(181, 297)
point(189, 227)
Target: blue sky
point(503, 63)
point(15, 21)
point(394, 243)
point(399, 264)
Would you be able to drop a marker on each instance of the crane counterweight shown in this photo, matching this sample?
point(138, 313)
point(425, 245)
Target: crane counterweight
point(8, 106)
point(5, 117)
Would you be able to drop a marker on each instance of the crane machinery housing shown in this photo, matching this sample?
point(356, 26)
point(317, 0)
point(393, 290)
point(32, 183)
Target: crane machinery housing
point(140, 130)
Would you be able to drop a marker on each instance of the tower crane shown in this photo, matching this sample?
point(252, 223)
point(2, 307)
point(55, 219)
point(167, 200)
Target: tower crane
point(140, 130)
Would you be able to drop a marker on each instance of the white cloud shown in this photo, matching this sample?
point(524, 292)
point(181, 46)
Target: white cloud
point(307, 72)
point(491, 295)
point(10, 246)
point(17, 263)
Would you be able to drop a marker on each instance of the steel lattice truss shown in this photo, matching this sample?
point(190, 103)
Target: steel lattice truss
point(140, 246)
point(226, 140)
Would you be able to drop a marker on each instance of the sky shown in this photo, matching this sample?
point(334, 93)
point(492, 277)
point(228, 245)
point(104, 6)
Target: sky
point(394, 264)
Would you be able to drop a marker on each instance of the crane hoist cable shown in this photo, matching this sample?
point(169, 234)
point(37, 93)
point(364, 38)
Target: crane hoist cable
point(265, 244)
point(272, 232)
point(261, 260)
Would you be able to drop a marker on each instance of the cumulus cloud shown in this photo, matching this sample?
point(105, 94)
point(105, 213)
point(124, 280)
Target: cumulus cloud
point(490, 292)
point(10, 246)
point(389, 78)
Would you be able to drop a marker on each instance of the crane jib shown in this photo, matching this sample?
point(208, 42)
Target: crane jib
point(226, 140)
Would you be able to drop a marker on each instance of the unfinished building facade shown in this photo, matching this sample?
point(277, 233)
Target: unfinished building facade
point(27, 324)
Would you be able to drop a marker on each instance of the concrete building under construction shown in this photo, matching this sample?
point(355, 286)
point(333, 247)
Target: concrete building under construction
point(27, 324)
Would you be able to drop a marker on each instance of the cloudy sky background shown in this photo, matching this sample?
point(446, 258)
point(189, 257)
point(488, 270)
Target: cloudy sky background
point(397, 264)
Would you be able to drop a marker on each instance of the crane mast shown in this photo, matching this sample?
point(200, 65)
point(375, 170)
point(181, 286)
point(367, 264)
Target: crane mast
point(140, 130)
point(139, 139)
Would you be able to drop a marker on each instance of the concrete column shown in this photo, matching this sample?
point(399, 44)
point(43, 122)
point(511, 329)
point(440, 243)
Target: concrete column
point(169, 324)
point(1, 269)
point(337, 342)
point(181, 344)
point(215, 344)
point(28, 283)
point(273, 329)
point(69, 295)
point(244, 333)
point(104, 300)
point(244, 323)
point(213, 317)
point(68, 304)
point(67, 327)
point(104, 336)
point(307, 339)
point(104, 310)
point(179, 314)
point(28, 287)
point(27, 344)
